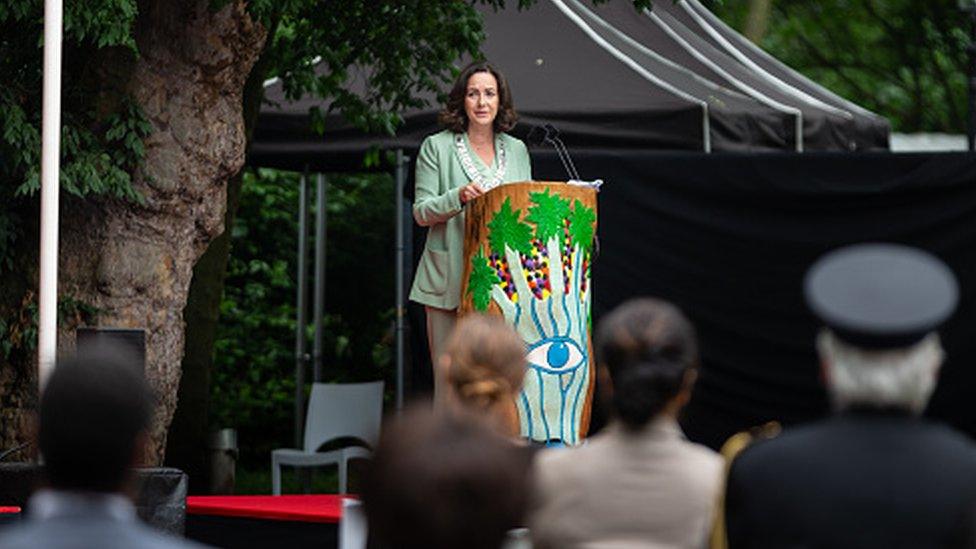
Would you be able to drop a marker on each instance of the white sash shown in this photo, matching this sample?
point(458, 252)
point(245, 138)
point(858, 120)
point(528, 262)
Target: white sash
point(473, 173)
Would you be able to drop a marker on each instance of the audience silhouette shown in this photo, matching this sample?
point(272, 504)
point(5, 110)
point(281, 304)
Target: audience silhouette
point(94, 414)
point(639, 483)
point(483, 367)
point(875, 474)
point(442, 482)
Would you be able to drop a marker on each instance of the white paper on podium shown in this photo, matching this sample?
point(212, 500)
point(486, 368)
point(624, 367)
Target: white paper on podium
point(595, 184)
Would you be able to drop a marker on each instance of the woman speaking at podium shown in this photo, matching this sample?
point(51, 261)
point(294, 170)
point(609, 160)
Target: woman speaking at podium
point(471, 156)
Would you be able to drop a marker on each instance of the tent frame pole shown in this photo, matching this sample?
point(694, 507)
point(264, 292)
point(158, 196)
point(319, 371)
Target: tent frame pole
point(319, 305)
point(301, 313)
point(400, 176)
point(971, 93)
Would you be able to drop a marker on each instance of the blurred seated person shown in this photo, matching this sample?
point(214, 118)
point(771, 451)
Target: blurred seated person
point(95, 413)
point(638, 483)
point(443, 482)
point(875, 474)
point(483, 367)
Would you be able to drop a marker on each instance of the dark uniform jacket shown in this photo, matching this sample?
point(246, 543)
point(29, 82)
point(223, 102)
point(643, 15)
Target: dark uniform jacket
point(861, 479)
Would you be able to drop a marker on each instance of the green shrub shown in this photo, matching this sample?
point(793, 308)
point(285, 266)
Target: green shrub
point(254, 364)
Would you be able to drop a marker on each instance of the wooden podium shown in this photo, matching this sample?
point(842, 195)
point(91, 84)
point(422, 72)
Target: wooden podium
point(527, 251)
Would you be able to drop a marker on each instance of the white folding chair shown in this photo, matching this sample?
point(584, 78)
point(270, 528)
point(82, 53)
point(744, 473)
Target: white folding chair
point(347, 410)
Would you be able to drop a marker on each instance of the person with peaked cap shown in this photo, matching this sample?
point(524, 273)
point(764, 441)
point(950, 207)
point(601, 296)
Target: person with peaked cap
point(875, 474)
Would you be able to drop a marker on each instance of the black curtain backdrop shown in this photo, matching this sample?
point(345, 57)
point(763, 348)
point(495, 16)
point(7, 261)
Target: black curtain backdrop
point(728, 238)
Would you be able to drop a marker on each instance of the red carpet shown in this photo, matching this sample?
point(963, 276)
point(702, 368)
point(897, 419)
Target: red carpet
point(304, 508)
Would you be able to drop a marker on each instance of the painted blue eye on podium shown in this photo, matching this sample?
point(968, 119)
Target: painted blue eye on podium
point(556, 355)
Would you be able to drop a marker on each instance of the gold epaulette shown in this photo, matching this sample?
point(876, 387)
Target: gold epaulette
point(735, 444)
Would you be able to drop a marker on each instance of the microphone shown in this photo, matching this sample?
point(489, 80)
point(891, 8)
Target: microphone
point(548, 134)
point(553, 136)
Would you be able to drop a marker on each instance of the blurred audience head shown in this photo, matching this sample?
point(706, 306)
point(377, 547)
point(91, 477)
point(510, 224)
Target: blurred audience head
point(881, 304)
point(444, 481)
point(94, 414)
point(650, 351)
point(484, 361)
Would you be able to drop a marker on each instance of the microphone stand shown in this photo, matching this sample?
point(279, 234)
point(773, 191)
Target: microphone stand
point(552, 137)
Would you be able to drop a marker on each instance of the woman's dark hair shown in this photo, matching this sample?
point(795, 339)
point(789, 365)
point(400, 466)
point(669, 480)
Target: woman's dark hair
point(647, 345)
point(453, 116)
point(92, 412)
point(440, 482)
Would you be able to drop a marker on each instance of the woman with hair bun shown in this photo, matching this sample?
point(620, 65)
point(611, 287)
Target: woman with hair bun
point(483, 367)
point(638, 483)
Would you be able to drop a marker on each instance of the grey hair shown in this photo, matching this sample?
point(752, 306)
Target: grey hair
point(900, 378)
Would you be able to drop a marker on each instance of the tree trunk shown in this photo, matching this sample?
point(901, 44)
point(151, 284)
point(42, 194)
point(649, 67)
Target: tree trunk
point(134, 261)
point(187, 447)
point(757, 20)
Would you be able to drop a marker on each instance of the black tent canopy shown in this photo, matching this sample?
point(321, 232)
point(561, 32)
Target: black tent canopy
point(822, 127)
point(738, 122)
point(867, 129)
point(610, 77)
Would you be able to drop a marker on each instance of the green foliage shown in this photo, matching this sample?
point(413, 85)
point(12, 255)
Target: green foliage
point(905, 59)
point(102, 128)
point(254, 364)
point(371, 59)
point(368, 60)
point(547, 212)
point(482, 279)
point(102, 23)
point(18, 328)
point(582, 226)
point(252, 356)
point(506, 229)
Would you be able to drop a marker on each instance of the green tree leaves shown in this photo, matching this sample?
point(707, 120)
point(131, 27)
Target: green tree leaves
point(582, 225)
point(102, 127)
point(547, 212)
point(905, 59)
point(104, 23)
point(369, 60)
point(253, 385)
point(366, 60)
point(482, 279)
point(506, 229)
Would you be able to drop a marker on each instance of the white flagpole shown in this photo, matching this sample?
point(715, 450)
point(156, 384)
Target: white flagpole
point(47, 329)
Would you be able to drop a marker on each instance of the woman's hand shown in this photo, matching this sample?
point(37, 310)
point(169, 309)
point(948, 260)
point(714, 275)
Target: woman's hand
point(470, 191)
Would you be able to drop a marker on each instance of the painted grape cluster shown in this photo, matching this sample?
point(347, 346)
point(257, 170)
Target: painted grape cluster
point(552, 216)
point(536, 269)
point(534, 265)
point(500, 266)
point(567, 249)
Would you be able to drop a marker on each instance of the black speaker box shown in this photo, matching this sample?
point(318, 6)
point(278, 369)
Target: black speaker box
point(131, 339)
